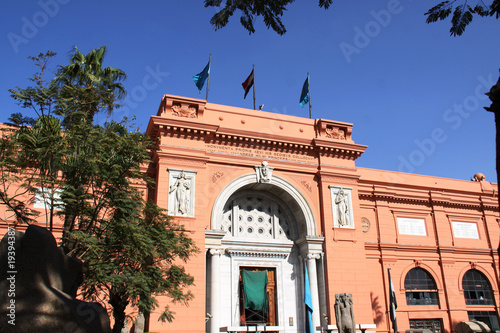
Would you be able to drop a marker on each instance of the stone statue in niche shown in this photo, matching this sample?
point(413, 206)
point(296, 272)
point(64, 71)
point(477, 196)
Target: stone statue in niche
point(342, 208)
point(264, 173)
point(181, 188)
point(184, 111)
point(344, 313)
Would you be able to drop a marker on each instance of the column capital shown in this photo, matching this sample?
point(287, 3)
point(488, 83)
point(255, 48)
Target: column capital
point(313, 256)
point(216, 251)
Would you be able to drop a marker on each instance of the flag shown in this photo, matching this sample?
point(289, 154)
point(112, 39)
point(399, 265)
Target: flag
point(200, 78)
point(393, 302)
point(304, 96)
point(308, 303)
point(248, 84)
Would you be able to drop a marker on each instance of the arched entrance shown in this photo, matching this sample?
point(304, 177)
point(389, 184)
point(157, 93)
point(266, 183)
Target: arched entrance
point(261, 227)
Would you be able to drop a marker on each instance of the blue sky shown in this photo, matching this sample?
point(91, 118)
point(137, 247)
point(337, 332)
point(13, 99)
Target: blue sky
point(414, 94)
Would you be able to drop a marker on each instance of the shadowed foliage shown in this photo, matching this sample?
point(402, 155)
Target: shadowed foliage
point(272, 11)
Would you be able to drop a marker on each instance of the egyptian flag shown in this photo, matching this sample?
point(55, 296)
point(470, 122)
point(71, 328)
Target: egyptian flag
point(248, 84)
point(393, 303)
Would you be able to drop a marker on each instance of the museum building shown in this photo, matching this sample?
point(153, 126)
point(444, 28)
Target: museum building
point(276, 202)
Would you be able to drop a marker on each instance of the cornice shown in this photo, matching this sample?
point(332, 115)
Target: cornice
point(181, 128)
point(426, 196)
point(192, 129)
point(339, 149)
point(186, 118)
point(455, 251)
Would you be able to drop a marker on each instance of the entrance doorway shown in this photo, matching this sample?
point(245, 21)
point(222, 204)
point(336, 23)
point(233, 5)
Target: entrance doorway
point(249, 313)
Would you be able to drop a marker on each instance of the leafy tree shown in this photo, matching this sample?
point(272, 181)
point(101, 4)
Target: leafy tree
point(272, 11)
point(131, 250)
point(86, 87)
point(12, 195)
point(463, 13)
point(29, 148)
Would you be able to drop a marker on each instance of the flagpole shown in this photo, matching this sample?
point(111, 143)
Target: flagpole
point(208, 78)
point(253, 70)
point(392, 303)
point(309, 87)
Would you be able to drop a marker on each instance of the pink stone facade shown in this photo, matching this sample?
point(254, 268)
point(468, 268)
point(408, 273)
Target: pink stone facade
point(230, 156)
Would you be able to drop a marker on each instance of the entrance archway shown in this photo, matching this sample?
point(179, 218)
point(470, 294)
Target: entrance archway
point(262, 226)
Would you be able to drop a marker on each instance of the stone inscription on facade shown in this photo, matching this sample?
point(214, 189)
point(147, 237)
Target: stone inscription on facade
point(258, 153)
point(413, 227)
point(465, 230)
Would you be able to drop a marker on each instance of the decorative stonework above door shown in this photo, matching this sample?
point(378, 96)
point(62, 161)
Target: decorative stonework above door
point(264, 173)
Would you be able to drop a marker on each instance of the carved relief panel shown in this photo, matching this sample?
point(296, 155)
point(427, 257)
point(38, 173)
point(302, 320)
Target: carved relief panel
point(342, 207)
point(181, 192)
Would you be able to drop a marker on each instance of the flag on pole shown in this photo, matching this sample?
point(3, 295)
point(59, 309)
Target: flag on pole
point(304, 96)
point(248, 84)
point(308, 302)
point(393, 302)
point(200, 78)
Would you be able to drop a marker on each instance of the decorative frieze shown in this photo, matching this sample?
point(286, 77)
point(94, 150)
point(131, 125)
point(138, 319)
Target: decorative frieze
point(334, 130)
point(185, 110)
point(257, 254)
point(181, 107)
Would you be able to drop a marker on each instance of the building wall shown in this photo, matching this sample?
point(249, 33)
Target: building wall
point(442, 251)
point(222, 149)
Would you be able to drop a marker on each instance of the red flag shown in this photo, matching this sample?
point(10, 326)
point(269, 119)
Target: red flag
point(248, 84)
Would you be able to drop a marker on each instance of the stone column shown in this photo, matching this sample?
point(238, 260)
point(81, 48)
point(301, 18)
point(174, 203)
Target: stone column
point(313, 284)
point(215, 288)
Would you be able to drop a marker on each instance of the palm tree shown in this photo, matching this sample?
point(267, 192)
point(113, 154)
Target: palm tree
point(87, 87)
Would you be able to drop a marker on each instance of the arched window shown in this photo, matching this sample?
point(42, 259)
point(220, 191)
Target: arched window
point(477, 288)
point(253, 214)
point(420, 288)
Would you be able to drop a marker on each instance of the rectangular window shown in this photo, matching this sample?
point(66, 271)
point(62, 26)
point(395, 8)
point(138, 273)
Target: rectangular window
point(490, 318)
point(422, 298)
point(45, 196)
point(256, 307)
point(434, 325)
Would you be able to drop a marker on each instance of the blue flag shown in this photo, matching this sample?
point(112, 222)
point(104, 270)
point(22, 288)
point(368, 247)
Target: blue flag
point(304, 96)
point(308, 302)
point(200, 78)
